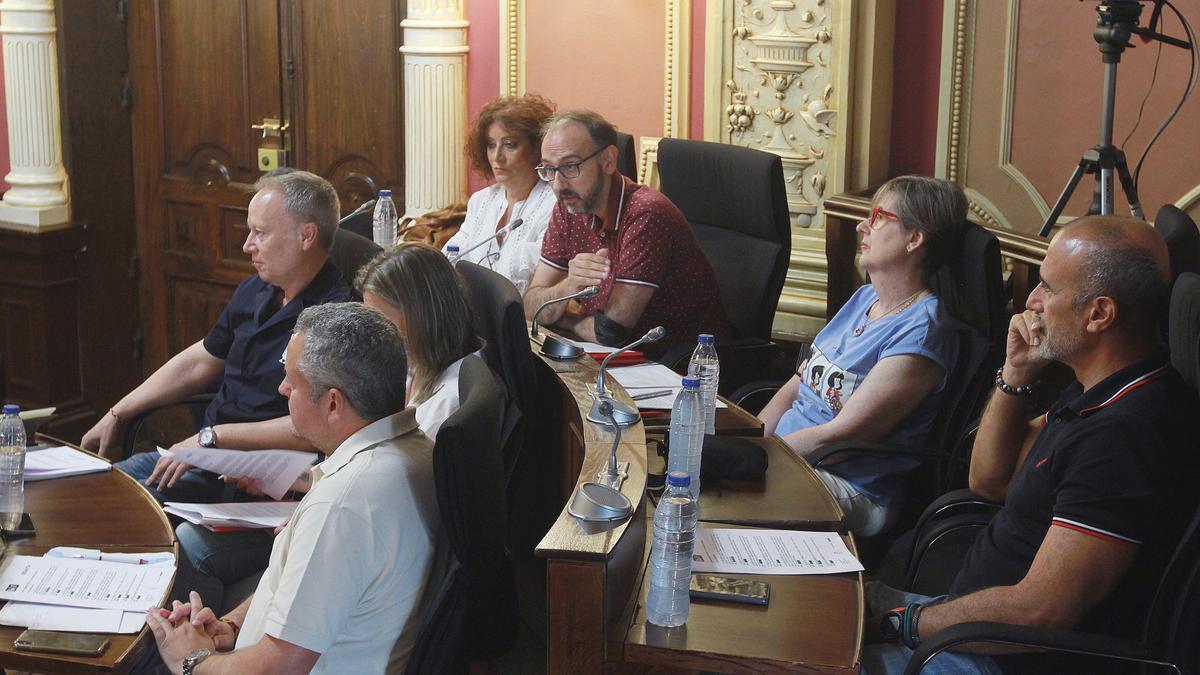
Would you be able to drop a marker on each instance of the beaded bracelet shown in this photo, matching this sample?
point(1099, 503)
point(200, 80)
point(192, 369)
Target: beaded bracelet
point(1023, 390)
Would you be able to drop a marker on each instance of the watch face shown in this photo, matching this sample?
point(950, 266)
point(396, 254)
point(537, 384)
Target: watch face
point(208, 437)
point(889, 626)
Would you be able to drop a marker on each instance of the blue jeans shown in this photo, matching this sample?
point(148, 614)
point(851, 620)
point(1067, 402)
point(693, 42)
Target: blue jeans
point(195, 486)
point(217, 560)
point(892, 657)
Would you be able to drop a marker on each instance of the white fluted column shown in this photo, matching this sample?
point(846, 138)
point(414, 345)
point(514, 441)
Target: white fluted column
point(435, 104)
point(37, 195)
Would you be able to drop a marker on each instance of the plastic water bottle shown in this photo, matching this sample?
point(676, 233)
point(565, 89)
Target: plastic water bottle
point(687, 433)
point(705, 367)
point(671, 554)
point(384, 231)
point(452, 252)
point(12, 467)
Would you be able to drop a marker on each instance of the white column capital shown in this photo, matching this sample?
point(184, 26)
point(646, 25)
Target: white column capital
point(37, 178)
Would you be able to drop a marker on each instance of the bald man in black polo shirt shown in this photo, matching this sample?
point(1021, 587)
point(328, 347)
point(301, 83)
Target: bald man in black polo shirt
point(1098, 490)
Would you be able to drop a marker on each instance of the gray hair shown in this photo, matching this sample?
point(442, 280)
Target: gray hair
point(356, 350)
point(1115, 266)
point(601, 131)
point(937, 208)
point(307, 198)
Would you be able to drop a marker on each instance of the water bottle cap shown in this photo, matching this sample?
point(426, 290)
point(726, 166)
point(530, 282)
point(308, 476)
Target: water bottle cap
point(11, 409)
point(678, 479)
point(691, 383)
point(706, 339)
point(385, 193)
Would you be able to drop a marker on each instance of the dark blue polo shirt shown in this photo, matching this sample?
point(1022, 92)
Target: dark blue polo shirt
point(1117, 462)
point(251, 337)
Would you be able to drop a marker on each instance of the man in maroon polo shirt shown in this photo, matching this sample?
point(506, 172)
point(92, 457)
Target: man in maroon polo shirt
point(626, 238)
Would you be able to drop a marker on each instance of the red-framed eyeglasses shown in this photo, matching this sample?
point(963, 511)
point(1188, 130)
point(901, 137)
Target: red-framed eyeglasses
point(880, 211)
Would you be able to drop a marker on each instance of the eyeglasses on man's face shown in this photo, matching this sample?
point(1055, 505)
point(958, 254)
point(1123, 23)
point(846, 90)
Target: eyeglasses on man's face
point(875, 221)
point(567, 170)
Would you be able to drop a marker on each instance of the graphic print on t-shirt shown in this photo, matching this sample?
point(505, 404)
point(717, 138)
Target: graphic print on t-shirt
point(827, 380)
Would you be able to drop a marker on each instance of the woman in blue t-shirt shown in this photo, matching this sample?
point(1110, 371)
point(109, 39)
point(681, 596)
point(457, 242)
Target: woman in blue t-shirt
point(877, 370)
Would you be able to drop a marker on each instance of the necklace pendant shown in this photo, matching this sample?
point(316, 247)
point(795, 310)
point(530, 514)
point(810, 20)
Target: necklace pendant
point(859, 331)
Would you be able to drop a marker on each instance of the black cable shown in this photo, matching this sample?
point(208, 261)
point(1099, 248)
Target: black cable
point(1187, 28)
point(1150, 89)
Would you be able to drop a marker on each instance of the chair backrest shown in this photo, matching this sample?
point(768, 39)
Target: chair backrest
point(735, 200)
point(1184, 327)
point(350, 252)
point(971, 284)
point(1182, 237)
point(500, 321)
point(1174, 618)
point(361, 221)
point(627, 159)
point(475, 612)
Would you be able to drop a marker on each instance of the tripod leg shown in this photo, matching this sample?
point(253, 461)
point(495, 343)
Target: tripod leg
point(1064, 197)
point(1135, 204)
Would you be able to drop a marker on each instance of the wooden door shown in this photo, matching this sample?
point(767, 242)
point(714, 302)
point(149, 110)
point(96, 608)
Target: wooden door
point(203, 72)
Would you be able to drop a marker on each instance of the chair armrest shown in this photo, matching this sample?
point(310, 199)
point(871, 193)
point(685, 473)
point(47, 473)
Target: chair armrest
point(820, 454)
point(751, 388)
point(135, 425)
point(1034, 638)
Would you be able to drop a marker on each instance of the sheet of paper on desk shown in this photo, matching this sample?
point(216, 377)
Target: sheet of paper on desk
point(651, 377)
point(98, 584)
point(71, 619)
point(276, 469)
point(60, 462)
point(755, 551)
point(234, 514)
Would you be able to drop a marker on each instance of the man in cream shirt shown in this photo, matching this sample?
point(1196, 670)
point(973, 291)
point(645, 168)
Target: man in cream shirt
point(348, 574)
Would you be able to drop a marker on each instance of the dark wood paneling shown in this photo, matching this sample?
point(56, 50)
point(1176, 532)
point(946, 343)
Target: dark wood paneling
point(349, 98)
point(233, 234)
point(194, 306)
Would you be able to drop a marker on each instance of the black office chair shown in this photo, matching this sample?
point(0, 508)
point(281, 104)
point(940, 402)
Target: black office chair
point(627, 157)
point(361, 221)
point(1168, 637)
point(475, 613)
point(1184, 334)
point(736, 202)
point(350, 252)
point(500, 321)
point(1182, 237)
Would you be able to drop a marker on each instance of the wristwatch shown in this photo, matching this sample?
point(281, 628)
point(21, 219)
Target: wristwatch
point(891, 624)
point(193, 659)
point(900, 625)
point(208, 437)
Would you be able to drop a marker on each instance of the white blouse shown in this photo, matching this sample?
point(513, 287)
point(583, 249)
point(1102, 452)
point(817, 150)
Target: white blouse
point(442, 403)
point(517, 257)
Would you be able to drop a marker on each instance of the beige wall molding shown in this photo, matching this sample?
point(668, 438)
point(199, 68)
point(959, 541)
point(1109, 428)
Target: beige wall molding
point(38, 193)
point(809, 80)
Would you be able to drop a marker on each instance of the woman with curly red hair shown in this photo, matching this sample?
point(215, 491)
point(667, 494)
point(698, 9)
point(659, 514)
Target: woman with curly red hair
point(505, 144)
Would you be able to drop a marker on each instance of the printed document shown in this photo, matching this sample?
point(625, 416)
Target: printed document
point(651, 377)
point(61, 461)
point(71, 619)
point(755, 551)
point(98, 584)
point(234, 514)
point(276, 469)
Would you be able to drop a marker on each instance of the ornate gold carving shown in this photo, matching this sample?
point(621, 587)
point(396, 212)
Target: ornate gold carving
point(512, 66)
point(676, 68)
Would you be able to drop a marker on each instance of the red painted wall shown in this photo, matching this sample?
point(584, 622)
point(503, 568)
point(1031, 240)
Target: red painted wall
point(917, 58)
point(483, 64)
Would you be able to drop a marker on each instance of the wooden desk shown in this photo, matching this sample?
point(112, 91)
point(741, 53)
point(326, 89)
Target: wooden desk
point(790, 498)
point(813, 623)
point(732, 421)
point(109, 511)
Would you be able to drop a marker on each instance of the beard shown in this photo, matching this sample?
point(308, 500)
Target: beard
point(587, 203)
point(1058, 346)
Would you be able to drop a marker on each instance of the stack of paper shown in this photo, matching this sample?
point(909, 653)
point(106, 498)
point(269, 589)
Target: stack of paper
point(82, 593)
point(755, 551)
point(276, 470)
point(651, 377)
point(61, 461)
point(237, 514)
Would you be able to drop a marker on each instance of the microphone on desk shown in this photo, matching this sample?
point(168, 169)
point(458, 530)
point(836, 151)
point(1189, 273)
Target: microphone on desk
point(553, 347)
point(502, 231)
point(622, 415)
point(601, 500)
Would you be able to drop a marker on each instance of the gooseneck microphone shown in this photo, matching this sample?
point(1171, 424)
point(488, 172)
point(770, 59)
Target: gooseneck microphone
point(622, 415)
point(502, 231)
point(552, 347)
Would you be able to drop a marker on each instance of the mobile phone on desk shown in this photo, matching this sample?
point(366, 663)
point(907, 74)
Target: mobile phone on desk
point(52, 642)
point(13, 528)
point(714, 587)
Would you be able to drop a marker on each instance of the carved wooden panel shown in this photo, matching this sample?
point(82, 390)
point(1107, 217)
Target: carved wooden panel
point(233, 232)
point(194, 306)
point(185, 233)
point(348, 95)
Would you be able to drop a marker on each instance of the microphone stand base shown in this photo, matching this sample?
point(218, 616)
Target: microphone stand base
point(553, 348)
point(594, 502)
point(624, 414)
